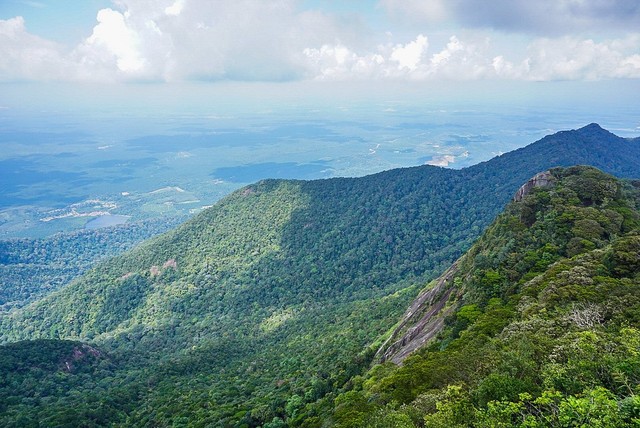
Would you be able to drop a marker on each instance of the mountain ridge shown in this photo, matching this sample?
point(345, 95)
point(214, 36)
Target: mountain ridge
point(543, 329)
point(282, 290)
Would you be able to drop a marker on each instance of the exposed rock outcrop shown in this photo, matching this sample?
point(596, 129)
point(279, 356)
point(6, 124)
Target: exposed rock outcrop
point(423, 320)
point(541, 179)
point(79, 354)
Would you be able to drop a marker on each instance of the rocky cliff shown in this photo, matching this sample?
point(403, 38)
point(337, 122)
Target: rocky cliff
point(542, 179)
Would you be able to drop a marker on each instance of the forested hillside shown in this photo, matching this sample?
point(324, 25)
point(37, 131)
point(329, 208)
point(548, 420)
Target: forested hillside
point(259, 310)
point(32, 268)
point(541, 327)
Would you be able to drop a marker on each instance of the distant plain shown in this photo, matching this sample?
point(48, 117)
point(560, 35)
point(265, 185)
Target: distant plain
point(65, 171)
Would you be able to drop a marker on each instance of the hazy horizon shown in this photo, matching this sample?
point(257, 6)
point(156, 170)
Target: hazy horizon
point(115, 100)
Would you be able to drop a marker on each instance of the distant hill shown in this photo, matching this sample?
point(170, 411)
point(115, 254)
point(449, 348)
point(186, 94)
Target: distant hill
point(32, 268)
point(275, 297)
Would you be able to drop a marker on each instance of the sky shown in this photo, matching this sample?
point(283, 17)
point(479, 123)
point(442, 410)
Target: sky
point(447, 82)
point(166, 41)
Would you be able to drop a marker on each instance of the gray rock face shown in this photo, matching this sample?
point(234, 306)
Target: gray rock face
point(542, 179)
point(423, 320)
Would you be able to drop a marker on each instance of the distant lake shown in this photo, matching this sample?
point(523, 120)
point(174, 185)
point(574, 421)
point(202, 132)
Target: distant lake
point(106, 221)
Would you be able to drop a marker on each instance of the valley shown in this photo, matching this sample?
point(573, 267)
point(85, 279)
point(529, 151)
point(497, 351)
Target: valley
point(269, 307)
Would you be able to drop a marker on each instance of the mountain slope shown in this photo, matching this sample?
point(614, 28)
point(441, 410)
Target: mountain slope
point(278, 294)
point(331, 235)
point(590, 145)
point(540, 324)
point(32, 268)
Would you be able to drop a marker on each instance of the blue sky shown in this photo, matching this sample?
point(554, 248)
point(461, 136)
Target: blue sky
point(62, 21)
point(289, 40)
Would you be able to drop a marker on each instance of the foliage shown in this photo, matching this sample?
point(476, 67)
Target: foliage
point(58, 383)
point(544, 335)
point(32, 268)
point(267, 309)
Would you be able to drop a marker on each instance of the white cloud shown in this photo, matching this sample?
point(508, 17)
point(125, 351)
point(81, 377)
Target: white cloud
point(171, 40)
point(243, 39)
point(572, 58)
point(175, 9)
point(24, 56)
point(461, 60)
point(543, 17)
point(334, 62)
point(177, 40)
point(564, 58)
point(410, 55)
point(457, 60)
point(444, 56)
point(422, 11)
point(113, 36)
point(575, 59)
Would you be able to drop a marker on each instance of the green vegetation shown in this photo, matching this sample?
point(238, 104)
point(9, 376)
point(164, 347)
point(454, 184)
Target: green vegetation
point(267, 309)
point(546, 331)
point(198, 312)
point(32, 268)
point(57, 383)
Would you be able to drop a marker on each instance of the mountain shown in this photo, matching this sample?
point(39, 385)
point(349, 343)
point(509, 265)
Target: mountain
point(590, 145)
point(273, 299)
point(538, 324)
point(31, 268)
